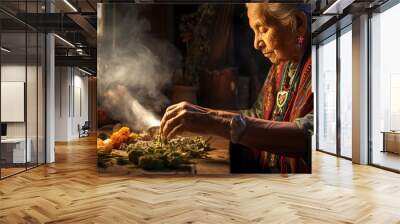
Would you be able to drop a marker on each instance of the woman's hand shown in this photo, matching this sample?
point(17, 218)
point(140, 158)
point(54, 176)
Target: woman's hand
point(189, 117)
point(260, 134)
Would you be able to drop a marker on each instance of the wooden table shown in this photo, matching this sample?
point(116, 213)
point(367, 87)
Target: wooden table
point(219, 158)
point(217, 163)
point(391, 141)
point(13, 150)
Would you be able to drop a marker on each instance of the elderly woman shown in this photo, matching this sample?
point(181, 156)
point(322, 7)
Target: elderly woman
point(274, 135)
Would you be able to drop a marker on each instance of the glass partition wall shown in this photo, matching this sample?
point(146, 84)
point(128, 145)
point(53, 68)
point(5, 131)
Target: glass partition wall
point(345, 92)
point(334, 95)
point(326, 54)
point(22, 88)
point(385, 89)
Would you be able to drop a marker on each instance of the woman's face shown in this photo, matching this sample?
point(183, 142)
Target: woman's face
point(275, 41)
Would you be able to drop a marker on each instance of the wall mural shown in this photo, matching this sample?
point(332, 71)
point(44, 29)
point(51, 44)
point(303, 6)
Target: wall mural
point(204, 88)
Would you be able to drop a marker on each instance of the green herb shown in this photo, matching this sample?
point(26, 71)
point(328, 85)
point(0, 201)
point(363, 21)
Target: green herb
point(151, 162)
point(171, 154)
point(103, 160)
point(122, 161)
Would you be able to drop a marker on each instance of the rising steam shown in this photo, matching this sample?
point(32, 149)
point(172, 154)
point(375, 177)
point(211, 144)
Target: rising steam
point(134, 66)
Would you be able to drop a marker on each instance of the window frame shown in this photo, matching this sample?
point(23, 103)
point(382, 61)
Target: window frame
point(381, 9)
point(27, 29)
point(337, 34)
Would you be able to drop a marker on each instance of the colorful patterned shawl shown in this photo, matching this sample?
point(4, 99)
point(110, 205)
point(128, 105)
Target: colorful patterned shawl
point(299, 105)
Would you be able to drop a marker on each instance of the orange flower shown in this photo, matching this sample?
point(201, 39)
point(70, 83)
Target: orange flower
point(104, 146)
point(100, 143)
point(120, 136)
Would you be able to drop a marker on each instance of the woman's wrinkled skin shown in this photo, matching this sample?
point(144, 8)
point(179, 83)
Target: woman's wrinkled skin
point(275, 41)
point(278, 44)
point(189, 117)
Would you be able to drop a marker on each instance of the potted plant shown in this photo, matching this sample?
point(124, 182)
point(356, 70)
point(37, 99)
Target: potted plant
point(195, 33)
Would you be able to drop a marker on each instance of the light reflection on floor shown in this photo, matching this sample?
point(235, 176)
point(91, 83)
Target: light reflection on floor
point(386, 159)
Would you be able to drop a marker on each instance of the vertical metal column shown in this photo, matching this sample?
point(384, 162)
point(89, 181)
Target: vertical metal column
point(338, 74)
point(360, 90)
point(316, 112)
point(50, 91)
point(26, 86)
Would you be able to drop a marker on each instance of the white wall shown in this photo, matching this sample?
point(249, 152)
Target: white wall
point(61, 103)
point(33, 127)
point(16, 73)
point(81, 104)
point(71, 102)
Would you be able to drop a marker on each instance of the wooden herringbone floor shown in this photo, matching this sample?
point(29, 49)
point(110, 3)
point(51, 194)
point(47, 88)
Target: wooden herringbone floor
point(71, 191)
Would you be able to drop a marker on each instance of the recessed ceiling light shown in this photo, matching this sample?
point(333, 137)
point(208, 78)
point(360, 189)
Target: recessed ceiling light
point(65, 41)
point(5, 50)
point(338, 6)
point(70, 5)
point(84, 71)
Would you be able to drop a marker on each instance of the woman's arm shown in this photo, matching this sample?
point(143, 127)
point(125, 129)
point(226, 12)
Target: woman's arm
point(287, 138)
point(279, 137)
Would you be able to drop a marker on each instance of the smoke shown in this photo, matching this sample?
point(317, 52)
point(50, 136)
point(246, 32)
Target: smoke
point(121, 96)
point(134, 66)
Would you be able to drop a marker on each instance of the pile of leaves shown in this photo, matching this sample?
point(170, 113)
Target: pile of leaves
point(160, 154)
point(150, 151)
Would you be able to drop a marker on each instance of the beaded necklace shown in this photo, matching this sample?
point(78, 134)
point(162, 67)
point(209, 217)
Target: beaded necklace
point(288, 84)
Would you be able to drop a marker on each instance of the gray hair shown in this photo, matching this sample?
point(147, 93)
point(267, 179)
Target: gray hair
point(284, 13)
